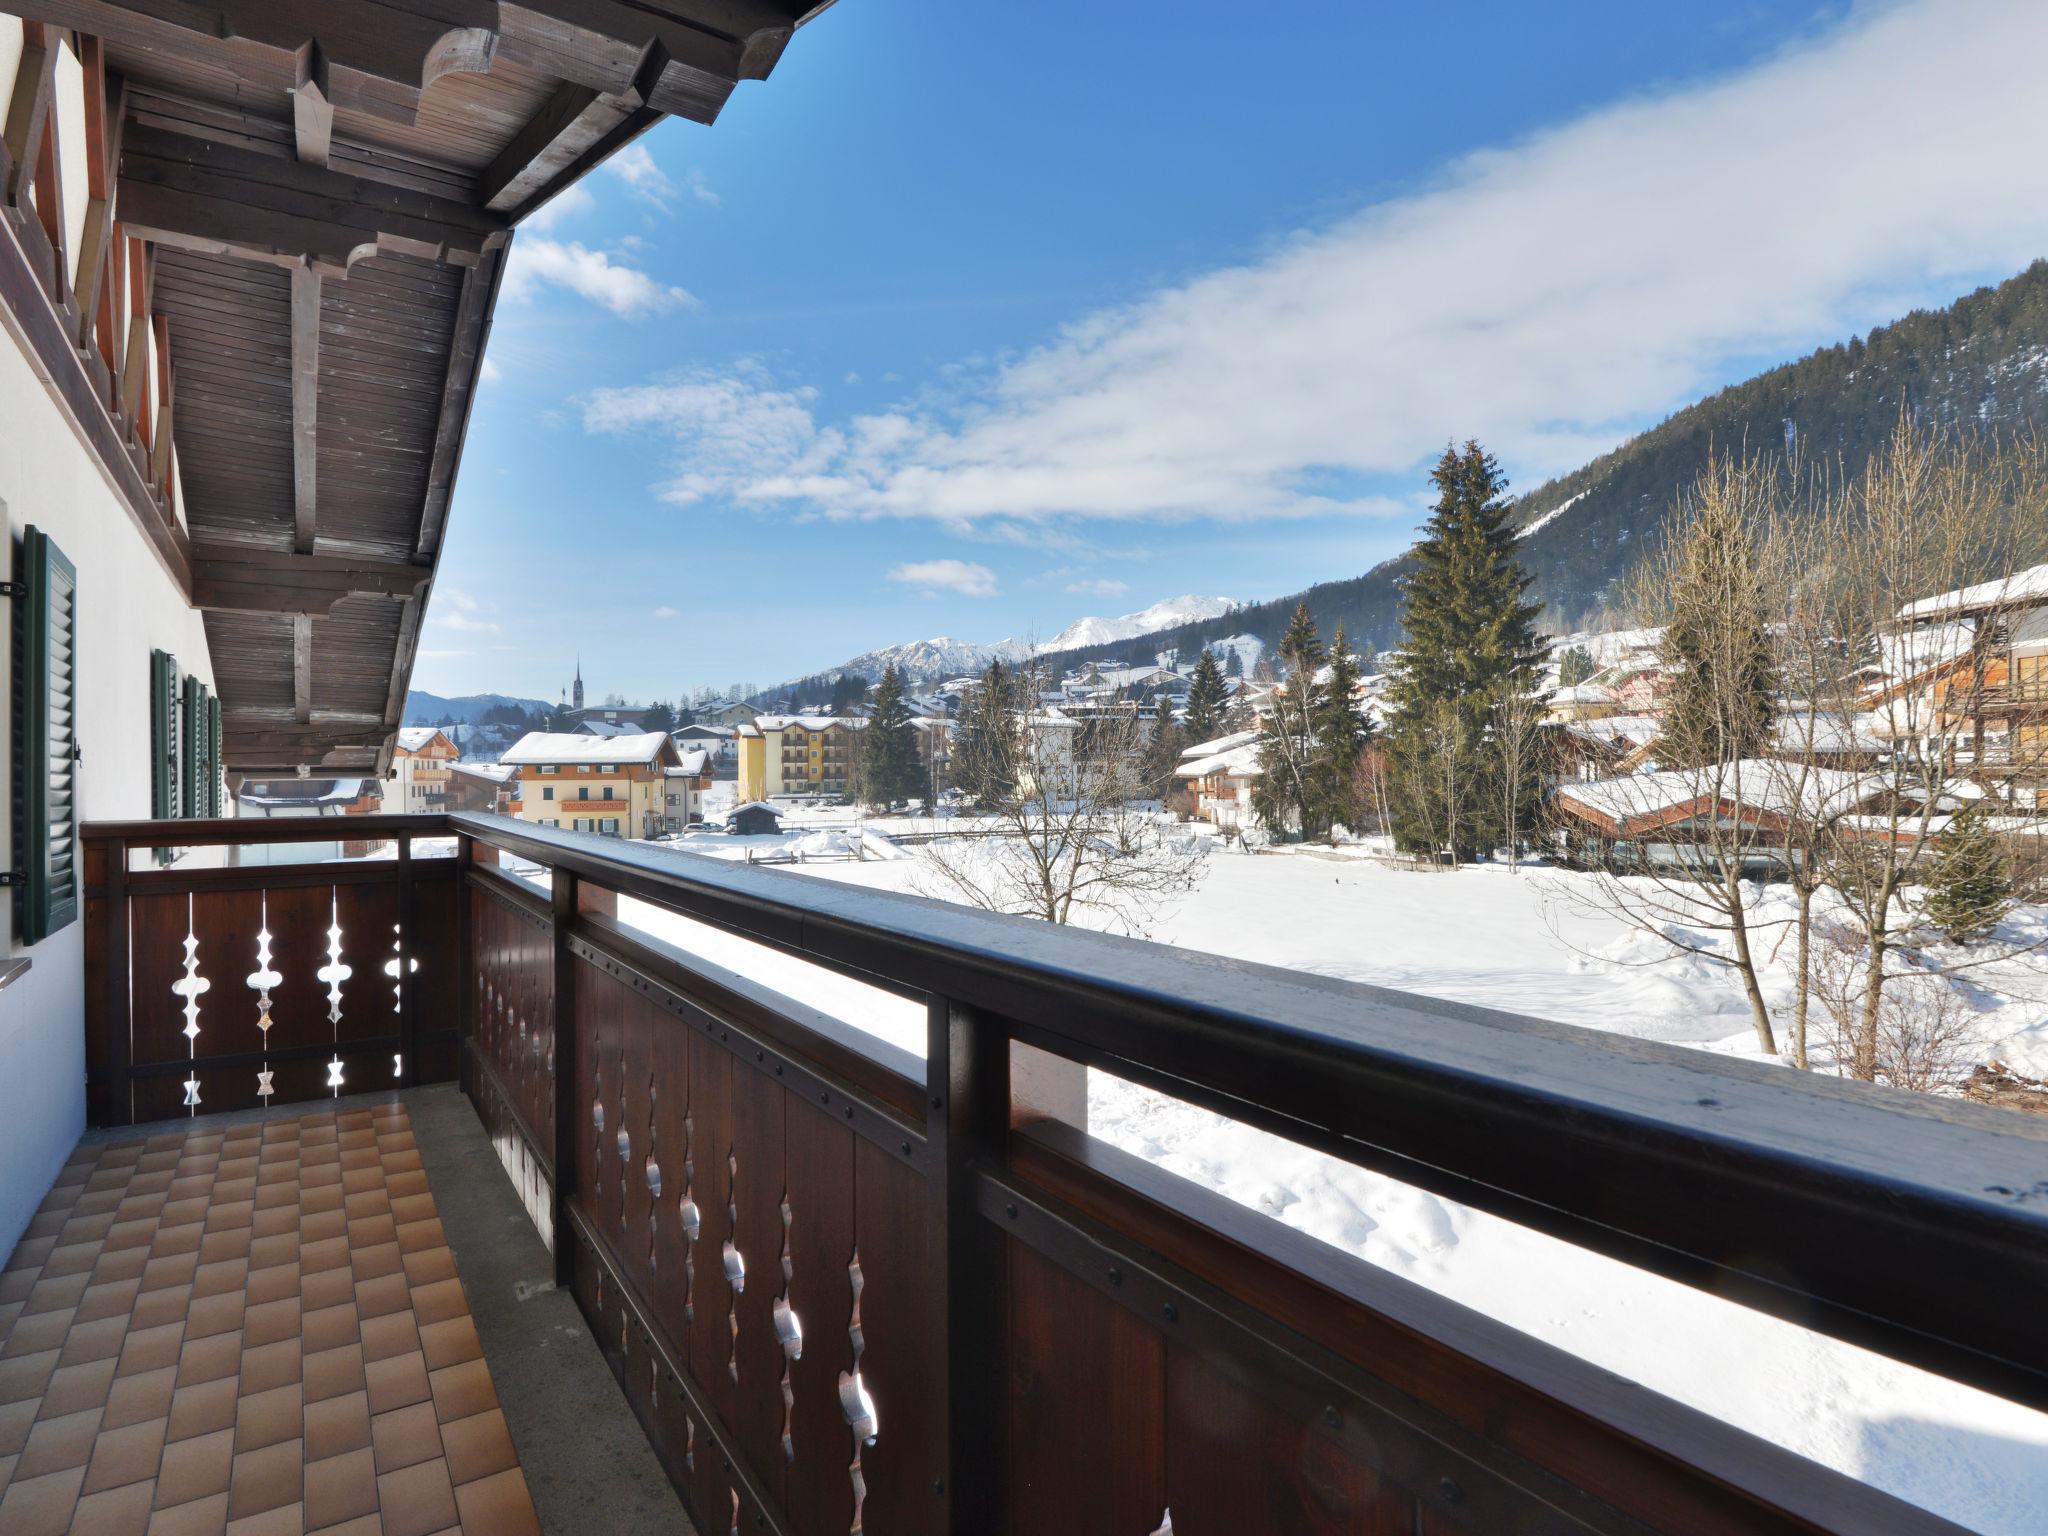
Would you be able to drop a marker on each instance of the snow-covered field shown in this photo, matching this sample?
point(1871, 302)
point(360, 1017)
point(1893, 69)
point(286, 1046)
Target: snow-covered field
point(1529, 942)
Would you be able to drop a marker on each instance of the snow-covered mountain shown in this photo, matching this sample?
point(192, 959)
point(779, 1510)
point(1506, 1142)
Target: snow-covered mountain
point(931, 661)
point(1175, 610)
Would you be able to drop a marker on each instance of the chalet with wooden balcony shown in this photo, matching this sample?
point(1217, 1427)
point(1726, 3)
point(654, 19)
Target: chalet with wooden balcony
point(509, 1180)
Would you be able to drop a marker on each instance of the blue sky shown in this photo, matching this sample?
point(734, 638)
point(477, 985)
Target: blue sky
point(977, 318)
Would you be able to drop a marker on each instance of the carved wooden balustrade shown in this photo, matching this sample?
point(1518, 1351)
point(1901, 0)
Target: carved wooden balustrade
point(849, 1290)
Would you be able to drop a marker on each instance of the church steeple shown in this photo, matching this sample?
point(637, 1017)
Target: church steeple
point(579, 682)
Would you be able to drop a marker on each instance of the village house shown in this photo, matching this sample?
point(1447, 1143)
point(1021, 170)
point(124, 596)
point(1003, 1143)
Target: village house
point(794, 755)
point(484, 787)
point(683, 790)
point(1219, 775)
point(615, 787)
point(419, 769)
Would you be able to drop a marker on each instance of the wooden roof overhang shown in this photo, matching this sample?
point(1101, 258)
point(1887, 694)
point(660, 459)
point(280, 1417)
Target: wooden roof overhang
point(311, 204)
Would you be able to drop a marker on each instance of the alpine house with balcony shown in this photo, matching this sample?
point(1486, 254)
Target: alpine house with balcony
point(428, 1191)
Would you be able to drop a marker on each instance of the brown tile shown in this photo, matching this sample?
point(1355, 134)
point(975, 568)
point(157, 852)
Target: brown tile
point(383, 1295)
point(401, 1162)
point(127, 1265)
point(201, 1409)
point(333, 1372)
point(285, 1520)
point(60, 1294)
point(499, 1504)
point(184, 1238)
point(273, 1283)
point(124, 1456)
point(329, 1327)
point(233, 1215)
point(196, 1468)
point(41, 1506)
point(115, 1511)
point(371, 1202)
point(151, 1349)
point(277, 1248)
point(328, 1253)
point(55, 1444)
point(99, 1340)
point(405, 1436)
point(417, 1500)
point(412, 1208)
point(320, 1226)
point(477, 1446)
point(135, 1398)
point(269, 1321)
point(327, 1287)
point(265, 1418)
point(220, 1277)
point(266, 1478)
point(26, 1375)
point(428, 1266)
point(415, 1235)
point(209, 1359)
point(320, 1194)
point(438, 1302)
point(47, 1330)
point(155, 1308)
point(392, 1333)
point(172, 1269)
point(213, 1313)
point(367, 1525)
point(378, 1259)
point(338, 1424)
point(16, 1420)
point(402, 1184)
point(182, 1210)
point(130, 1234)
point(225, 1247)
point(340, 1488)
point(397, 1381)
point(270, 1365)
point(114, 1298)
point(450, 1343)
point(72, 1259)
point(76, 1387)
point(201, 1517)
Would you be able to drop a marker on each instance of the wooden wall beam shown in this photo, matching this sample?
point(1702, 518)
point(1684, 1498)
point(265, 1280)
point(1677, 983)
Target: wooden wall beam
point(240, 580)
point(305, 404)
point(302, 667)
point(28, 108)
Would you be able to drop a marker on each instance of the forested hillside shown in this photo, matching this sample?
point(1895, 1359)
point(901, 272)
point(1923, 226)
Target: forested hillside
point(1982, 361)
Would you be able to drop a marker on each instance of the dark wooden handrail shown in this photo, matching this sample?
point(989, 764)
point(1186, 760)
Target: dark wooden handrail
point(1896, 1221)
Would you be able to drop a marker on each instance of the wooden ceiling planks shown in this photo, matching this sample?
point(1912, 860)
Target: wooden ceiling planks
point(368, 156)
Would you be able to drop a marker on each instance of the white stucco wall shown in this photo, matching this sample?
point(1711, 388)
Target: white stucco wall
point(127, 606)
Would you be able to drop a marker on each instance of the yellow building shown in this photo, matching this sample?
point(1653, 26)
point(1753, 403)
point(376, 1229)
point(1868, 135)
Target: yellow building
point(615, 786)
point(794, 755)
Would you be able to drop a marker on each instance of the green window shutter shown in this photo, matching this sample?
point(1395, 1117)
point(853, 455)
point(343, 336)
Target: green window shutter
point(213, 766)
point(46, 738)
point(191, 748)
point(163, 735)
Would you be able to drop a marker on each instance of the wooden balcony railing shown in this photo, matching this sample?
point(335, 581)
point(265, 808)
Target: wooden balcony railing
point(845, 1289)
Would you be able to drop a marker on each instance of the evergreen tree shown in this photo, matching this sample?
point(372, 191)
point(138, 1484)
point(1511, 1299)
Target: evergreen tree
point(1208, 698)
point(1575, 666)
point(1969, 884)
point(984, 753)
point(1291, 792)
point(1341, 734)
point(891, 769)
point(1235, 666)
point(1469, 634)
point(660, 716)
point(1162, 757)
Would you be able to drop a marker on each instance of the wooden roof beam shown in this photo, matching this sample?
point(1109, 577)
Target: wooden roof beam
point(224, 199)
point(240, 580)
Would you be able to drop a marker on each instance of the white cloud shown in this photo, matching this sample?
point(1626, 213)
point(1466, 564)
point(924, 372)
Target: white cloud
point(489, 371)
point(427, 655)
point(1104, 586)
point(934, 576)
point(732, 423)
point(457, 598)
point(572, 202)
point(637, 168)
point(1547, 297)
point(466, 624)
point(626, 291)
point(666, 612)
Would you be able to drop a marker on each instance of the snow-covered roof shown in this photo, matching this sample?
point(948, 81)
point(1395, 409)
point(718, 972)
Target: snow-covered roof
point(567, 747)
point(756, 805)
point(1219, 744)
point(1760, 784)
point(1583, 693)
point(497, 773)
point(2021, 587)
point(702, 730)
point(1825, 732)
point(610, 729)
point(1242, 761)
point(696, 762)
point(414, 738)
point(762, 723)
point(302, 792)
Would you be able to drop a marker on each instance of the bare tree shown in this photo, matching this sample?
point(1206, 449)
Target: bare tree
point(1926, 1037)
point(1692, 840)
point(1066, 828)
point(1926, 545)
point(1516, 728)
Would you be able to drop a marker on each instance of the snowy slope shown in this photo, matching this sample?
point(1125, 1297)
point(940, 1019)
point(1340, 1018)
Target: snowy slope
point(1175, 610)
point(930, 661)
